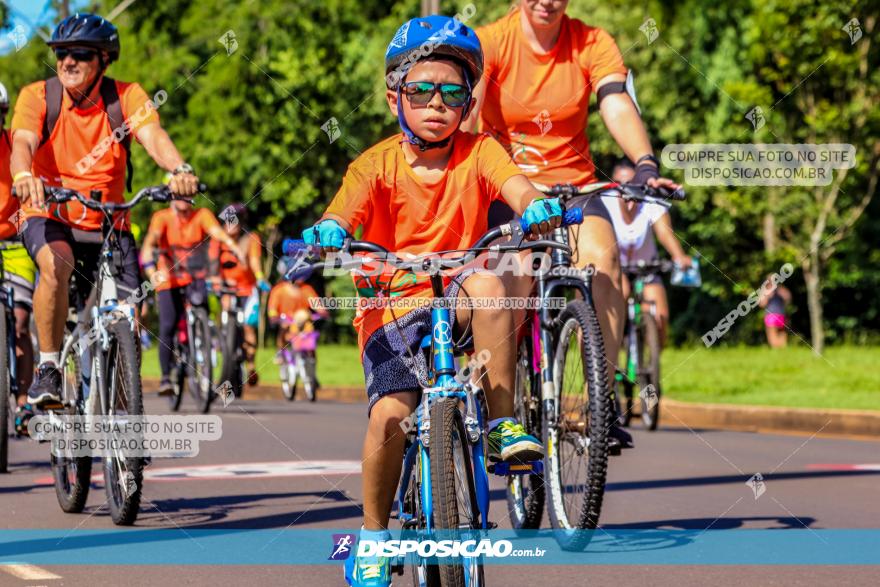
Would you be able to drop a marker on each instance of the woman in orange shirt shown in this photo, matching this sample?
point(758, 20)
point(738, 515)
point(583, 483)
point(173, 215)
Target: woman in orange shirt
point(540, 68)
point(246, 277)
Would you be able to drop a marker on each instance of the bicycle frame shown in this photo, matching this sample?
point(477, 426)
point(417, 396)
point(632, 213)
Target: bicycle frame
point(94, 333)
point(634, 320)
point(558, 278)
point(445, 385)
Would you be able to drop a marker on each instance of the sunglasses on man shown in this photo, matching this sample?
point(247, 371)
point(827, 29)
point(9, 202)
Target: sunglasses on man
point(421, 93)
point(77, 54)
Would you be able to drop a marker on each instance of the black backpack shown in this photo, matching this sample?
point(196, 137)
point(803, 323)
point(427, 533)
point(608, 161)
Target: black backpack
point(112, 106)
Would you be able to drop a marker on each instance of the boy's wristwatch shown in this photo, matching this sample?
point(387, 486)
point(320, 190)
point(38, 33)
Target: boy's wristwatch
point(183, 168)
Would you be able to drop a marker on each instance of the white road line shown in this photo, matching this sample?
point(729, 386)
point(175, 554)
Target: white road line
point(28, 572)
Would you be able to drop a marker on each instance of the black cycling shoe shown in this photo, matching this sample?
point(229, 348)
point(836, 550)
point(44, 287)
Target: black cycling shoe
point(45, 391)
point(618, 439)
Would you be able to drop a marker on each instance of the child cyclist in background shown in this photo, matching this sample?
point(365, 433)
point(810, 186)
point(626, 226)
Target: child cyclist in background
point(428, 190)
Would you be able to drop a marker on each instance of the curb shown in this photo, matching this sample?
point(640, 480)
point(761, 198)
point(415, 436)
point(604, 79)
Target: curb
point(673, 414)
point(821, 422)
point(345, 395)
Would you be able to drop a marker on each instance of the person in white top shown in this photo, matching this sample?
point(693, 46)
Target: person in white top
point(633, 223)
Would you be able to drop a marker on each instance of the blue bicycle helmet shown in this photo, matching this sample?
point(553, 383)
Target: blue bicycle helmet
point(437, 36)
point(88, 30)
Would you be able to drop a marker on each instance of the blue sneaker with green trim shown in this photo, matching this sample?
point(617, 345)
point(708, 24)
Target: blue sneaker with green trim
point(509, 442)
point(368, 571)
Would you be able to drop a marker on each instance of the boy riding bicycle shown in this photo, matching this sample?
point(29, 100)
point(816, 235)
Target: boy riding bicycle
point(428, 190)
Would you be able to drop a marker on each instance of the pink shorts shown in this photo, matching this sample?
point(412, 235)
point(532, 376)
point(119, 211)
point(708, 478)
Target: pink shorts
point(774, 320)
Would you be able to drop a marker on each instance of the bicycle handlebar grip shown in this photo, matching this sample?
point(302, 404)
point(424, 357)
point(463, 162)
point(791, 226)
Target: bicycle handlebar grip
point(677, 196)
point(292, 245)
point(571, 216)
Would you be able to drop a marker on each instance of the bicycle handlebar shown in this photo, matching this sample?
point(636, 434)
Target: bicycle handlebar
point(159, 193)
point(648, 267)
point(431, 262)
point(638, 193)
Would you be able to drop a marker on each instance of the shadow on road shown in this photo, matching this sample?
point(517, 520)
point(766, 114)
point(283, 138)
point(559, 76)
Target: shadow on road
point(210, 512)
point(723, 479)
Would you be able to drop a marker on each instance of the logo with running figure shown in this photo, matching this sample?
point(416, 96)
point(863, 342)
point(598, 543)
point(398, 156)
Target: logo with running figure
point(756, 117)
point(342, 546)
point(650, 30)
point(543, 122)
point(853, 28)
point(756, 483)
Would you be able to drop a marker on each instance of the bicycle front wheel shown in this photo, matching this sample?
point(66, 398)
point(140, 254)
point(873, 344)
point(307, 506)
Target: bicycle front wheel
point(71, 475)
point(525, 493)
point(200, 368)
point(576, 431)
point(452, 489)
point(178, 377)
point(649, 372)
point(123, 474)
point(231, 361)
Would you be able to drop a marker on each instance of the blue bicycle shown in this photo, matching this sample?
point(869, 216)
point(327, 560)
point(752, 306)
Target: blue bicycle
point(444, 485)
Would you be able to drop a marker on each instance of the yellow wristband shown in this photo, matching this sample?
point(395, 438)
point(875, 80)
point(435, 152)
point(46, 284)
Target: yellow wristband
point(21, 174)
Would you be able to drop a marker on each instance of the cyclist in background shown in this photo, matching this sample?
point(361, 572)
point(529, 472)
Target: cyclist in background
point(290, 296)
point(174, 258)
point(245, 276)
point(541, 69)
point(633, 223)
point(19, 273)
point(58, 128)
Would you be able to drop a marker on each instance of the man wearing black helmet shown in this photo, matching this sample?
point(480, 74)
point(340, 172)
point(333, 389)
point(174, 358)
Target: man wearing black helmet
point(74, 130)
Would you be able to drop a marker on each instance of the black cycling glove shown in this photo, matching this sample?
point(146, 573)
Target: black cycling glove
point(644, 172)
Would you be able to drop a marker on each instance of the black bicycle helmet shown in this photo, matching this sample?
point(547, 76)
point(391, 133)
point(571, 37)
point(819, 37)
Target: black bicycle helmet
point(88, 30)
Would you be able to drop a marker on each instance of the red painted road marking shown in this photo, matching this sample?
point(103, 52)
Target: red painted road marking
point(241, 471)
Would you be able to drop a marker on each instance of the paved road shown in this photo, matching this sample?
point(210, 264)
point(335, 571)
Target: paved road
point(675, 479)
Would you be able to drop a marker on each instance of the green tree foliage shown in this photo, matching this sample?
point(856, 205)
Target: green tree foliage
point(247, 111)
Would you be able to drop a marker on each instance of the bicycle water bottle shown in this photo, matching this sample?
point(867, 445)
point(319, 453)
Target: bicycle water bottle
point(689, 277)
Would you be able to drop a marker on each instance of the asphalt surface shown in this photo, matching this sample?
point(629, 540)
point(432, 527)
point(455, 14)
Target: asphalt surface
point(677, 479)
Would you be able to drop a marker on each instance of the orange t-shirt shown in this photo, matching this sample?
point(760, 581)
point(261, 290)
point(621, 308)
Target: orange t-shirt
point(241, 275)
point(287, 298)
point(182, 243)
point(536, 104)
point(81, 133)
point(8, 204)
point(401, 212)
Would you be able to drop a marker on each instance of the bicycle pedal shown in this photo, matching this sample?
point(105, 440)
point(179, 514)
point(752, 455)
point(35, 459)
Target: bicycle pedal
point(503, 469)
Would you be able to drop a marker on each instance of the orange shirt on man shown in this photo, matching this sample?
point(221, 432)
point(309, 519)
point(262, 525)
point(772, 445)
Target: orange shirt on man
point(66, 159)
point(401, 212)
point(182, 243)
point(536, 104)
point(240, 273)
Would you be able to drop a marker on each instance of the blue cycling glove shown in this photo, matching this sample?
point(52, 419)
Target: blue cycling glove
point(542, 210)
point(327, 233)
point(263, 285)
